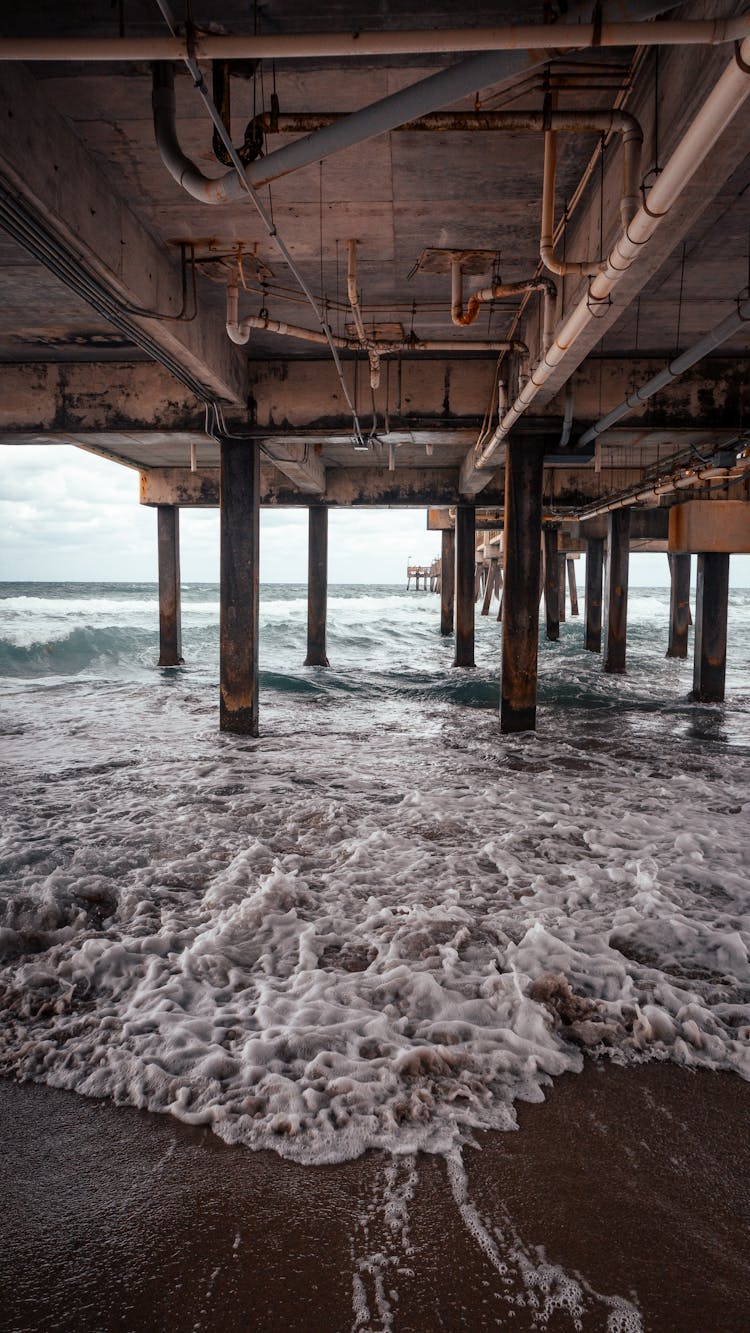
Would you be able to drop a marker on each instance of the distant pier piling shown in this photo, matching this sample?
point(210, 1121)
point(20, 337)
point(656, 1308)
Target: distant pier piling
point(616, 590)
point(239, 586)
point(551, 583)
point(465, 585)
point(317, 586)
point(594, 578)
point(447, 580)
point(573, 586)
point(561, 565)
point(679, 605)
point(712, 597)
point(524, 470)
point(170, 631)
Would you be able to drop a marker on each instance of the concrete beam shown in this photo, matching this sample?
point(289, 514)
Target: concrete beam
point(347, 487)
point(55, 202)
point(431, 402)
point(344, 487)
point(42, 397)
point(710, 525)
point(301, 463)
point(645, 524)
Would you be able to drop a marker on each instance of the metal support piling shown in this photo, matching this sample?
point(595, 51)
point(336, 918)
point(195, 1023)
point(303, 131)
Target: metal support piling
point(573, 587)
point(465, 562)
point(679, 605)
point(561, 562)
point(168, 539)
point(594, 573)
point(524, 470)
point(317, 586)
point(239, 585)
point(712, 598)
point(551, 582)
point(447, 580)
point(616, 590)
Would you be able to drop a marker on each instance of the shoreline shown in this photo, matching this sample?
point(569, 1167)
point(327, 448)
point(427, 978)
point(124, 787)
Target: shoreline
point(629, 1185)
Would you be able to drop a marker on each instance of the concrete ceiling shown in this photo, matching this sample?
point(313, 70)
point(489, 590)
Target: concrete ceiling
point(397, 194)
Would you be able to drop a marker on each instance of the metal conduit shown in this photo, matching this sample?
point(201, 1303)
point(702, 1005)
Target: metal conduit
point(719, 109)
point(682, 479)
point(707, 344)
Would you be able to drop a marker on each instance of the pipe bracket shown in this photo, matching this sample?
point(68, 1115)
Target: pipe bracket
point(594, 303)
point(739, 58)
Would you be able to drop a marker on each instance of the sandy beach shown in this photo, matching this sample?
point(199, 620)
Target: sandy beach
point(630, 1184)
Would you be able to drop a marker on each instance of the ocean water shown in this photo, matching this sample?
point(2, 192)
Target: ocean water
point(382, 923)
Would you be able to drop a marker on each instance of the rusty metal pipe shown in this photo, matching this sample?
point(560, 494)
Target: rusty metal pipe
point(462, 317)
point(369, 344)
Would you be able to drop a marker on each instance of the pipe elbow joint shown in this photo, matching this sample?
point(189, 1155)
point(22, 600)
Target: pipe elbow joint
point(238, 333)
point(461, 318)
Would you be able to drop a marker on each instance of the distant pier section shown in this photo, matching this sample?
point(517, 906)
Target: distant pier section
point(427, 576)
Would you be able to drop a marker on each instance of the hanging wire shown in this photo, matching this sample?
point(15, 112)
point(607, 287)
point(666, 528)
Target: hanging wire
point(679, 304)
point(267, 220)
point(602, 151)
point(182, 315)
point(322, 296)
point(656, 168)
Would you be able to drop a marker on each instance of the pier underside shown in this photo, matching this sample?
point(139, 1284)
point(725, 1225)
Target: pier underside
point(515, 295)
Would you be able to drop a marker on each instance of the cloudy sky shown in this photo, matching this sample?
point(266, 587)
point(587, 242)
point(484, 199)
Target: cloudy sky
point(66, 515)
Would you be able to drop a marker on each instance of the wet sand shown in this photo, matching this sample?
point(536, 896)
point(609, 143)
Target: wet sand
point(634, 1182)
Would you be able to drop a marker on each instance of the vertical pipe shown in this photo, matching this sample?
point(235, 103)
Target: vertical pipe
point(447, 580)
point(168, 542)
point(317, 586)
point(594, 570)
point(465, 557)
point(712, 597)
point(573, 587)
point(489, 588)
point(679, 605)
point(616, 590)
point(561, 587)
point(238, 594)
point(551, 582)
point(524, 472)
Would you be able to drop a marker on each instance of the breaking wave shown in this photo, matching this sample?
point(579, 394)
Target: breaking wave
point(381, 923)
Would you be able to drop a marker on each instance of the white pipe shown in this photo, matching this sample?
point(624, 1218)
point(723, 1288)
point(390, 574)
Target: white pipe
point(718, 110)
point(461, 317)
point(632, 140)
point(367, 343)
point(447, 41)
point(239, 332)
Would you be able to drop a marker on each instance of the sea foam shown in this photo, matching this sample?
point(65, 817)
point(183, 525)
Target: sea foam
point(380, 925)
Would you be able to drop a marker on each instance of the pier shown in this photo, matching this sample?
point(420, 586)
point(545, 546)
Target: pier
point(286, 953)
point(529, 387)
